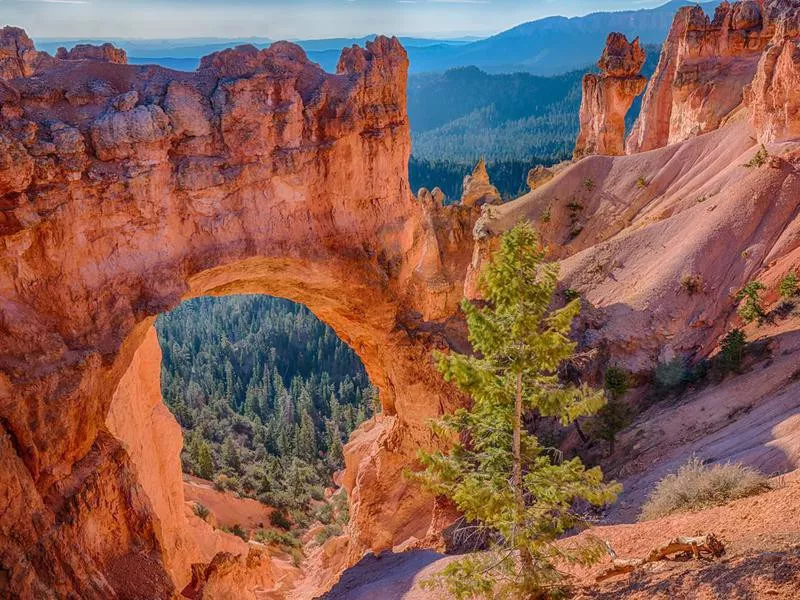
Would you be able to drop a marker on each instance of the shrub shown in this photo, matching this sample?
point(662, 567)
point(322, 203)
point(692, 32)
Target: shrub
point(642, 183)
point(237, 531)
point(732, 350)
point(672, 375)
point(326, 533)
point(342, 507)
point(615, 415)
point(283, 539)
point(788, 285)
point(201, 511)
point(697, 486)
point(570, 294)
point(574, 206)
point(324, 514)
point(223, 482)
point(611, 419)
point(749, 298)
point(588, 183)
point(691, 284)
point(545, 218)
point(759, 158)
point(617, 381)
point(278, 518)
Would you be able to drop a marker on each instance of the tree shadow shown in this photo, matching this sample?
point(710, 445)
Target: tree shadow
point(755, 575)
point(387, 576)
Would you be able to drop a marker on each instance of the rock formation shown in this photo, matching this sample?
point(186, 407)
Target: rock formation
point(477, 190)
point(607, 97)
point(538, 176)
point(103, 53)
point(18, 56)
point(705, 66)
point(772, 98)
point(126, 189)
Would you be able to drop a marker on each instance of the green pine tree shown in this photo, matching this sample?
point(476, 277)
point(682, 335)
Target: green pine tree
point(205, 464)
point(306, 438)
point(335, 449)
point(497, 473)
point(230, 455)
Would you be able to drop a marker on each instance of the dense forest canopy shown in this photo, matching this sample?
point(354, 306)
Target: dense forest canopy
point(266, 395)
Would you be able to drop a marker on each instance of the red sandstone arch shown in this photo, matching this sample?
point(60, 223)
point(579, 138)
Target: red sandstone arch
point(126, 189)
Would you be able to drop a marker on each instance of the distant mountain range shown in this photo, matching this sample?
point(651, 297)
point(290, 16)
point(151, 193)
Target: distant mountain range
point(549, 46)
point(185, 54)
point(552, 45)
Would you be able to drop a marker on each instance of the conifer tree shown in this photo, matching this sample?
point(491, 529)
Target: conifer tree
point(205, 464)
point(518, 492)
point(231, 455)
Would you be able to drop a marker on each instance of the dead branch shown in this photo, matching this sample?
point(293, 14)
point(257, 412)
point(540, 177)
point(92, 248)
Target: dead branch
point(684, 547)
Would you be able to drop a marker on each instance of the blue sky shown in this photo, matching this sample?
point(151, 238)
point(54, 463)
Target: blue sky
point(286, 18)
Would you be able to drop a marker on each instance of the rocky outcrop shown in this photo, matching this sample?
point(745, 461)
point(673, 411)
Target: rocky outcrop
point(608, 96)
point(103, 53)
point(477, 189)
point(772, 98)
point(705, 65)
point(18, 56)
point(233, 576)
point(538, 176)
point(126, 189)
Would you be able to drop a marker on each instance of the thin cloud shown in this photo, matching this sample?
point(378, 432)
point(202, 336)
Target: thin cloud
point(55, 1)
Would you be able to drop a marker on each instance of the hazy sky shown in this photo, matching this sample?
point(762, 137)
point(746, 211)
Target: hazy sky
point(286, 18)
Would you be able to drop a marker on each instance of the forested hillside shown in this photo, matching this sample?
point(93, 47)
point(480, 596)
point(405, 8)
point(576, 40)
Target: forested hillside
point(515, 121)
point(266, 395)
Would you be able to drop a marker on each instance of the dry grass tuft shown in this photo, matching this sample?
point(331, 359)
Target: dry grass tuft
point(697, 486)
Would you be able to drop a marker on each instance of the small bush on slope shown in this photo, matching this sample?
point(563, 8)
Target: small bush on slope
point(788, 286)
point(749, 299)
point(697, 486)
point(732, 350)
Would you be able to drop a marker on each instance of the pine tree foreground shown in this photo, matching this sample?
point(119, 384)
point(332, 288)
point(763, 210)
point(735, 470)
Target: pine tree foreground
point(518, 493)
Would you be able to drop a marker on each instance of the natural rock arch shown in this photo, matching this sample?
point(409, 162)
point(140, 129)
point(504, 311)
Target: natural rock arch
point(126, 189)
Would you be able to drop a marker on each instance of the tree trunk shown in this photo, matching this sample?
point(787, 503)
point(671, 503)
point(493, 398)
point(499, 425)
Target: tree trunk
point(516, 476)
point(583, 436)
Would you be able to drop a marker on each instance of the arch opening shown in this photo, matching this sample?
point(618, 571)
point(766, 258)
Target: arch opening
point(266, 396)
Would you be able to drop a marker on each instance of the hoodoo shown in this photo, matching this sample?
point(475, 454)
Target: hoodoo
point(704, 69)
point(607, 97)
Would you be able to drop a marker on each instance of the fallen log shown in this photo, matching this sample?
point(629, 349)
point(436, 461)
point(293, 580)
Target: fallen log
point(688, 547)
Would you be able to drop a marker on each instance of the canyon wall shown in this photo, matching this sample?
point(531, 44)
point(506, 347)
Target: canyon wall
point(706, 68)
point(127, 189)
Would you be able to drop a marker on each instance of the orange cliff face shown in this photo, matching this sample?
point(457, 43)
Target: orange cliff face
point(607, 97)
point(126, 189)
point(707, 65)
